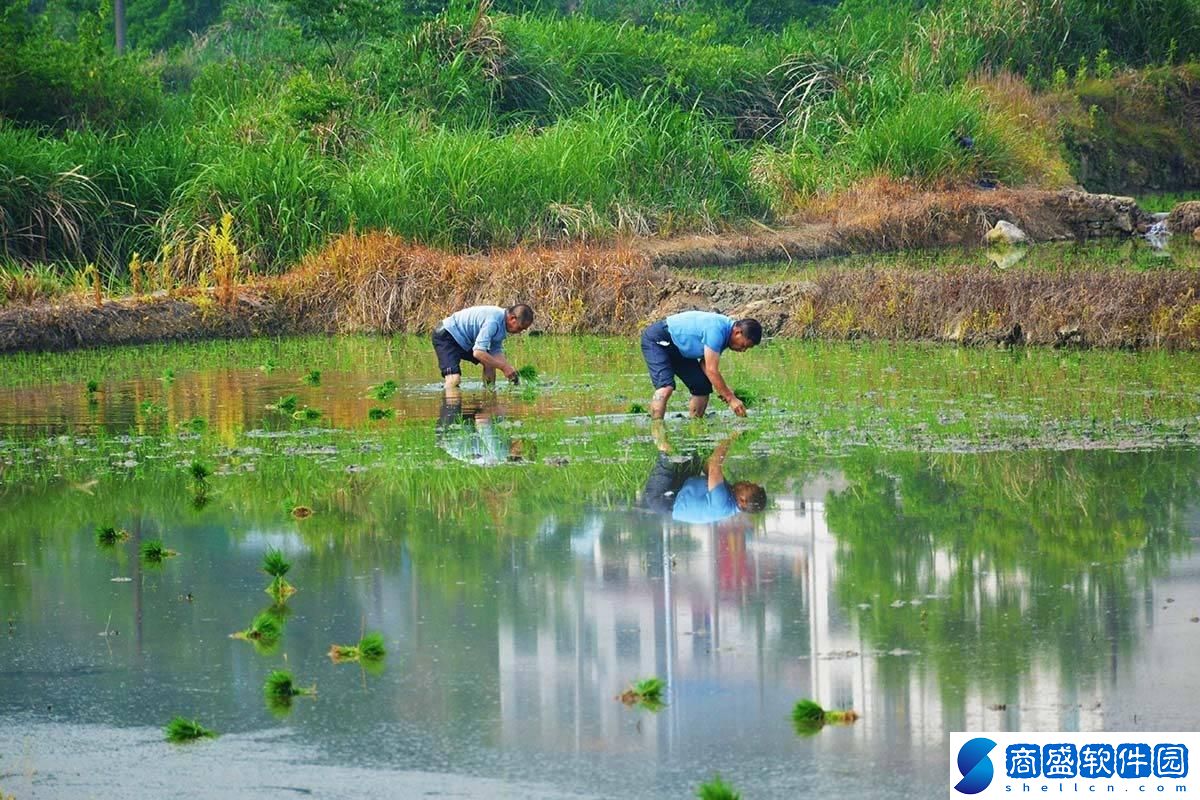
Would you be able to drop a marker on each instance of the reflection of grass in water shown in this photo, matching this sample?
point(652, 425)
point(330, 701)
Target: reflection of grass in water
point(107, 535)
point(369, 648)
point(154, 552)
point(180, 730)
point(93, 387)
point(717, 789)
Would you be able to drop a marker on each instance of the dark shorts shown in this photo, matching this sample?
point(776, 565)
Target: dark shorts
point(665, 362)
point(450, 353)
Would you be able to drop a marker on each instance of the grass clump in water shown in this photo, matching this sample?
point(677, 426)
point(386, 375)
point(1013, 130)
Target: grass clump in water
point(154, 552)
point(265, 630)
point(647, 693)
point(528, 373)
point(181, 730)
point(199, 471)
point(313, 378)
point(808, 716)
point(381, 413)
point(383, 391)
point(307, 413)
point(637, 408)
point(107, 535)
point(276, 565)
point(369, 648)
point(280, 689)
point(93, 387)
point(196, 425)
point(286, 404)
point(717, 789)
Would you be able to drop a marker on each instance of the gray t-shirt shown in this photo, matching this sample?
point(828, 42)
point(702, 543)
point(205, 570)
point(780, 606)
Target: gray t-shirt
point(477, 328)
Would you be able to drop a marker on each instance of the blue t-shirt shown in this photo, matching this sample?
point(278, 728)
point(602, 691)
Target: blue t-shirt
point(696, 504)
point(692, 331)
point(477, 328)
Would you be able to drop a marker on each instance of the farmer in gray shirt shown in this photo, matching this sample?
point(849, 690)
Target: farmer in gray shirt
point(476, 334)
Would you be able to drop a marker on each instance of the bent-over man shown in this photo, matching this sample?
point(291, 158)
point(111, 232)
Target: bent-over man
point(476, 334)
point(689, 345)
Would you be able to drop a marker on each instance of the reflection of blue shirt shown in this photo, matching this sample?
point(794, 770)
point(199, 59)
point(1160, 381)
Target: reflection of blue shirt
point(692, 331)
point(477, 328)
point(477, 443)
point(695, 503)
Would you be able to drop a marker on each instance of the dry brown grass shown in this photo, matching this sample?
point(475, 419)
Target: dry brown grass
point(380, 282)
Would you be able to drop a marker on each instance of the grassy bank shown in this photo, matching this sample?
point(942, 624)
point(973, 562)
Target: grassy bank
point(472, 127)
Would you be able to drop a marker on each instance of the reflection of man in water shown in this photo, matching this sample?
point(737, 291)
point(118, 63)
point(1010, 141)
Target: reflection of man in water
point(696, 491)
point(473, 437)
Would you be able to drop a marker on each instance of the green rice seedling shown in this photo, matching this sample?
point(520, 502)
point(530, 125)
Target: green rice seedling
point(748, 396)
point(528, 373)
point(381, 413)
point(308, 413)
point(369, 648)
point(107, 535)
point(286, 404)
point(265, 630)
point(154, 552)
point(168, 375)
point(199, 471)
point(646, 693)
point(180, 730)
point(383, 391)
point(280, 684)
point(270, 365)
point(808, 717)
point(93, 387)
point(313, 378)
point(151, 408)
point(717, 789)
point(196, 425)
point(276, 565)
point(637, 408)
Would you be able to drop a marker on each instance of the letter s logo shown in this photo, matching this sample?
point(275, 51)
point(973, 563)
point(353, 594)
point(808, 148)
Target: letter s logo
point(975, 766)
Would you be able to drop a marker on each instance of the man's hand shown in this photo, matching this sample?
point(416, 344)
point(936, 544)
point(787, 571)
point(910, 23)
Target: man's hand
point(513, 377)
point(737, 407)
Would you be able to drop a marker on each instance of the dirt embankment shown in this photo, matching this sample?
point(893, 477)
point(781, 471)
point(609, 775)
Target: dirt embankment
point(376, 282)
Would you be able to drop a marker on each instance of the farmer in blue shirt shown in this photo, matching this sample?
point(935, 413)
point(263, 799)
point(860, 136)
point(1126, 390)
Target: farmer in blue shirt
point(696, 492)
point(689, 345)
point(476, 334)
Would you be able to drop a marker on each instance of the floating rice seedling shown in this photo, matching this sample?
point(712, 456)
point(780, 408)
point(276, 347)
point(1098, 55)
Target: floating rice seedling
point(199, 471)
point(265, 630)
point(93, 387)
point(279, 690)
point(381, 413)
point(306, 413)
point(276, 565)
point(717, 789)
point(107, 535)
point(369, 648)
point(313, 378)
point(383, 391)
point(153, 551)
point(808, 717)
point(287, 404)
point(646, 693)
point(181, 730)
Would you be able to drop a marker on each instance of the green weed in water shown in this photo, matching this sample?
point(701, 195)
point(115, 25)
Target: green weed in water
point(313, 378)
point(107, 535)
point(154, 552)
point(181, 730)
point(381, 413)
point(717, 789)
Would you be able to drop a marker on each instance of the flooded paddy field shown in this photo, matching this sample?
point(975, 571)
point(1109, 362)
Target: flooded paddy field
point(952, 540)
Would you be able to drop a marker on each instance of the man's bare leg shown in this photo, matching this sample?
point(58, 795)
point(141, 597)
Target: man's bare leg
point(698, 405)
point(451, 384)
point(489, 376)
point(658, 405)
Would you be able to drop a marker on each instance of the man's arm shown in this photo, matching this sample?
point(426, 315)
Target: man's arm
point(712, 360)
point(495, 361)
point(716, 472)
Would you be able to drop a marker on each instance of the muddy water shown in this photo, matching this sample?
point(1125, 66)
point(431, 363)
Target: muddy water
point(1043, 589)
